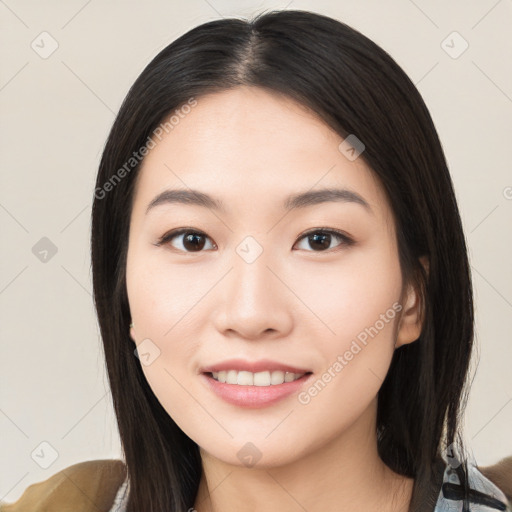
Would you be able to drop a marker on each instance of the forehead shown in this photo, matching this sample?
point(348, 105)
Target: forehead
point(247, 145)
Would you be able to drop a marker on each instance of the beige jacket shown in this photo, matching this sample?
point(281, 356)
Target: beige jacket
point(89, 486)
point(92, 487)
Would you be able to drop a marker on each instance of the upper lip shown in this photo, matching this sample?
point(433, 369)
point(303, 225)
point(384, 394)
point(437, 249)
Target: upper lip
point(252, 366)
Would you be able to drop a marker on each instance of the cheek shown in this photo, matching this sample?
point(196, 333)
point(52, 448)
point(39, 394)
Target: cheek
point(358, 302)
point(353, 295)
point(161, 294)
point(164, 304)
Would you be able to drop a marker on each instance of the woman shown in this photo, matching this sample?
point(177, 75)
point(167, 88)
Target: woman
point(281, 280)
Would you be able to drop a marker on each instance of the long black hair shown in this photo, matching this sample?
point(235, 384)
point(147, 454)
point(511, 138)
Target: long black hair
point(355, 87)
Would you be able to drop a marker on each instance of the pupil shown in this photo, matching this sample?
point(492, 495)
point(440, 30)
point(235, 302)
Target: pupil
point(325, 242)
point(191, 238)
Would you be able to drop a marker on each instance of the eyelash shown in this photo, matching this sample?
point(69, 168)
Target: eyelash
point(345, 240)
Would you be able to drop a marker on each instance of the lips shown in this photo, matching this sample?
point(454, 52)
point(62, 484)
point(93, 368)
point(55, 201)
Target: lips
point(254, 396)
point(254, 367)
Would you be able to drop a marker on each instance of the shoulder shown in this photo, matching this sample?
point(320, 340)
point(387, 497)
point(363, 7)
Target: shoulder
point(83, 487)
point(500, 474)
point(490, 487)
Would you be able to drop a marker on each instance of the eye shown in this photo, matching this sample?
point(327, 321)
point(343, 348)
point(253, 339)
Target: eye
point(193, 241)
point(320, 239)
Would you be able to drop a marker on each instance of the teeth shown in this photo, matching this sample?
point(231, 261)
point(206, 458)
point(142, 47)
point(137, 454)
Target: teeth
point(244, 378)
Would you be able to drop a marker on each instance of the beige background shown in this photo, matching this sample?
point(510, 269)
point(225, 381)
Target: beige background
point(55, 115)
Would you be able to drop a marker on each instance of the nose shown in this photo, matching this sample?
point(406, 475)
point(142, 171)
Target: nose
point(254, 301)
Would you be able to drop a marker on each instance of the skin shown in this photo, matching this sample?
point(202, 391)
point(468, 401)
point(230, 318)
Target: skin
point(294, 304)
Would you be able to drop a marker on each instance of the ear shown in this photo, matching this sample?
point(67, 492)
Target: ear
point(411, 319)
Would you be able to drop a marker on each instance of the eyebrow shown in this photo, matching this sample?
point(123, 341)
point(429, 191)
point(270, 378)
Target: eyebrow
point(295, 201)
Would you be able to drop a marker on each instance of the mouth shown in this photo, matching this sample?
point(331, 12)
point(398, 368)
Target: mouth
point(247, 390)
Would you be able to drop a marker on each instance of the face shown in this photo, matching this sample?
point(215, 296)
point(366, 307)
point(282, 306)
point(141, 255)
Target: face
point(317, 286)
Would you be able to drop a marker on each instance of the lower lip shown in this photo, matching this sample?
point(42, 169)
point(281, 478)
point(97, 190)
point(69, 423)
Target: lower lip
point(254, 396)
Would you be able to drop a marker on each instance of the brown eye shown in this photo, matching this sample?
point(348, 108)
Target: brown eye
point(192, 241)
point(320, 240)
point(189, 240)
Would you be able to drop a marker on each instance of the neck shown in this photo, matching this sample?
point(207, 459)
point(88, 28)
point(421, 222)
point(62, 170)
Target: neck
point(344, 474)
